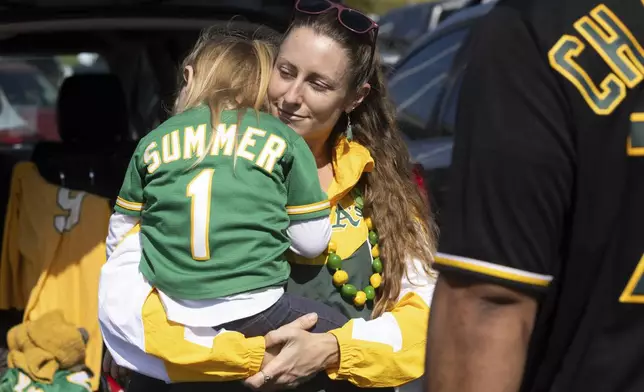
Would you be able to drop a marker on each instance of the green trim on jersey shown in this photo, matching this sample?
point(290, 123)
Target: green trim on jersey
point(218, 227)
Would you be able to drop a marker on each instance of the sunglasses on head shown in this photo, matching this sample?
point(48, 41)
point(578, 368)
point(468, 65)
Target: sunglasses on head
point(353, 20)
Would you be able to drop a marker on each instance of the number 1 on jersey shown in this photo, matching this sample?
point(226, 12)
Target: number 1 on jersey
point(198, 190)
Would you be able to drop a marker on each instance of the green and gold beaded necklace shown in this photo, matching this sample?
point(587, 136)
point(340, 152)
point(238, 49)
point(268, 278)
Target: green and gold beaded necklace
point(341, 277)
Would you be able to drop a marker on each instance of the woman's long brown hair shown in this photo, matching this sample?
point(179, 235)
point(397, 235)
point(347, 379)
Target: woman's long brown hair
point(394, 202)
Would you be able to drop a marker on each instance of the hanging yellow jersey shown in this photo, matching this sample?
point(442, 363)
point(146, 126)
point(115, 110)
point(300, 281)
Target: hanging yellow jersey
point(53, 249)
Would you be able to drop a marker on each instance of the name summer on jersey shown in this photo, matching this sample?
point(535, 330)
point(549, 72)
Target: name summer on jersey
point(194, 145)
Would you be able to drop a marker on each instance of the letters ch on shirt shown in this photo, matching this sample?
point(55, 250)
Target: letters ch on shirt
point(609, 37)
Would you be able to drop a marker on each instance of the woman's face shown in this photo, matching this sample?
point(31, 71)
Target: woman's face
point(309, 86)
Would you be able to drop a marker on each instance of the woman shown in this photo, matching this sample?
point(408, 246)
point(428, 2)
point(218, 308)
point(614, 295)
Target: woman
point(327, 85)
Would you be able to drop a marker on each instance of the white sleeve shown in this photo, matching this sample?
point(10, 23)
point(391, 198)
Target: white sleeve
point(120, 225)
point(418, 281)
point(309, 238)
point(385, 329)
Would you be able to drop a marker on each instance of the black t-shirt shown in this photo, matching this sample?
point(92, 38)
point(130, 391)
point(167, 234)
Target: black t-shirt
point(547, 190)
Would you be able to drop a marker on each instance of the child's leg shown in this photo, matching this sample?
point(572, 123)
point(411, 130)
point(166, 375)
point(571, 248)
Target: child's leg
point(258, 324)
point(328, 318)
point(288, 308)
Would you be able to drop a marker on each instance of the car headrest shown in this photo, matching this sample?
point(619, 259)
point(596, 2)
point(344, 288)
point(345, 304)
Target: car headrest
point(92, 108)
point(96, 168)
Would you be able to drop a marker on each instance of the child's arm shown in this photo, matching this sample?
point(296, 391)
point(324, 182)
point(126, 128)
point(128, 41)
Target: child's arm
point(307, 205)
point(120, 225)
point(129, 203)
point(311, 237)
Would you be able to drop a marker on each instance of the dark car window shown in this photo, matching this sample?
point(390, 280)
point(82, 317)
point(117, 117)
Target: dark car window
point(405, 23)
point(29, 91)
point(27, 88)
point(417, 83)
point(444, 120)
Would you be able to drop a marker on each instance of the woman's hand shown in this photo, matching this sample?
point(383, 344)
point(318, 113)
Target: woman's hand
point(303, 354)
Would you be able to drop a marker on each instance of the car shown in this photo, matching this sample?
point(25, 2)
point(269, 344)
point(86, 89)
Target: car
point(424, 87)
point(141, 42)
point(12, 126)
point(32, 96)
point(402, 26)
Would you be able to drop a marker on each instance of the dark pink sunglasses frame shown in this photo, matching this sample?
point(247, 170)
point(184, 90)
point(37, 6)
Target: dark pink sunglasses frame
point(339, 7)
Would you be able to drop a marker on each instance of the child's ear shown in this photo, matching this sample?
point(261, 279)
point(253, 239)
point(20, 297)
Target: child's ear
point(188, 75)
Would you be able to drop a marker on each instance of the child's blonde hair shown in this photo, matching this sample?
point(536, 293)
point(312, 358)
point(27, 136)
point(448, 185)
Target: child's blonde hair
point(229, 72)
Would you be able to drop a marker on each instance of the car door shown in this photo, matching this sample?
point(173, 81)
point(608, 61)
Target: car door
point(417, 82)
point(424, 87)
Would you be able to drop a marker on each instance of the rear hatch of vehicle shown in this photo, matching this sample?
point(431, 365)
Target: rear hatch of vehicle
point(275, 13)
point(140, 41)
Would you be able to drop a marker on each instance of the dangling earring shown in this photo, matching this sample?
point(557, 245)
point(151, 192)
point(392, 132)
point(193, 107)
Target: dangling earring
point(349, 131)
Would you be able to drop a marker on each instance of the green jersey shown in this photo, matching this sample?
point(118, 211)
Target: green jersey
point(64, 381)
point(217, 227)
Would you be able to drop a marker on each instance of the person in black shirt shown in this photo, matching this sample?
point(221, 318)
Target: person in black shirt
point(542, 247)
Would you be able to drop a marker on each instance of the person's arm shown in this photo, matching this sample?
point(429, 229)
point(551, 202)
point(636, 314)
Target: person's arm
point(183, 354)
point(120, 225)
point(309, 238)
point(384, 352)
point(388, 351)
point(482, 330)
point(511, 185)
point(305, 199)
point(195, 354)
point(307, 205)
point(129, 203)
